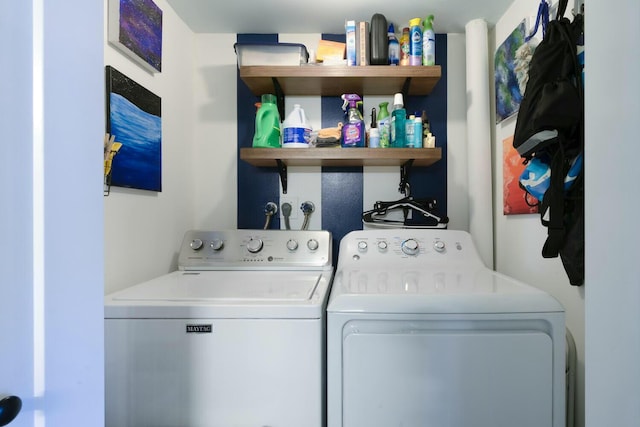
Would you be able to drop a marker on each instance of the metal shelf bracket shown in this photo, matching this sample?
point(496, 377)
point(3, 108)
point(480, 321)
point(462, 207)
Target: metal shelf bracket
point(282, 171)
point(404, 177)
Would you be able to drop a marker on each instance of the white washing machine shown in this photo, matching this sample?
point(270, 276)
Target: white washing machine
point(421, 333)
point(235, 337)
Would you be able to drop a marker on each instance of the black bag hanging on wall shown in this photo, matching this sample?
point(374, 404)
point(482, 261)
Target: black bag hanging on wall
point(550, 129)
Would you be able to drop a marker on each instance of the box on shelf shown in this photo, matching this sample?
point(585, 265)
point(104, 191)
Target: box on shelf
point(271, 54)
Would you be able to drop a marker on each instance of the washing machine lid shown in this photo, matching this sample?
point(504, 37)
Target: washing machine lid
point(460, 290)
point(228, 294)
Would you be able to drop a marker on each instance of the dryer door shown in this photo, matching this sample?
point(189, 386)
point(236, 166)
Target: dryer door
point(430, 373)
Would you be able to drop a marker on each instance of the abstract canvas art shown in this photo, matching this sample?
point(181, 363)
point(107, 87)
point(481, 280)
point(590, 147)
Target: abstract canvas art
point(508, 93)
point(134, 120)
point(513, 196)
point(135, 28)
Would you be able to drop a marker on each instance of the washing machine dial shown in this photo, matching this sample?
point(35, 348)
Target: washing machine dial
point(383, 245)
point(216, 244)
point(439, 246)
point(254, 245)
point(362, 246)
point(312, 244)
point(410, 247)
point(196, 244)
point(292, 244)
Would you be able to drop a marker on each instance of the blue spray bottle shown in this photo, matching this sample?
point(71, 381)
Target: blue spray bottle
point(354, 131)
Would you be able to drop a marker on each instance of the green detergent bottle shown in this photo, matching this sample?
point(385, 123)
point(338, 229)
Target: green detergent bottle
point(267, 134)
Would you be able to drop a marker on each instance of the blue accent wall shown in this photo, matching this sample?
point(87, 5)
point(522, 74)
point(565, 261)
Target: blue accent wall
point(342, 187)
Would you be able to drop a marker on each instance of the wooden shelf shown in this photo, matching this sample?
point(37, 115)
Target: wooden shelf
point(334, 80)
point(340, 156)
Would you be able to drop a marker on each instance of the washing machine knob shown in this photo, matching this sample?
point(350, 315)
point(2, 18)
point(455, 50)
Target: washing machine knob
point(292, 244)
point(410, 247)
point(196, 244)
point(216, 244)
point(439, 246)
point(254, 245)
point(382, 245)
point(312, 244)
point(362, 246)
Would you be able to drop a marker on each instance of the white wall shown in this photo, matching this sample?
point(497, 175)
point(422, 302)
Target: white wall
point(519, 238)
point(213, 160)
point(143, 229)
point(612, 151)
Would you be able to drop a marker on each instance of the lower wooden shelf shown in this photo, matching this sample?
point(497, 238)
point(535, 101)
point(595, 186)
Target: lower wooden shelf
point(338, 156)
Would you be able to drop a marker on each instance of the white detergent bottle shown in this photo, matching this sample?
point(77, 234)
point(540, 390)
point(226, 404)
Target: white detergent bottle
point(296, 130)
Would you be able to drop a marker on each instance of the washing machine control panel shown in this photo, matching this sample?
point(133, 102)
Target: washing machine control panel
point(389, 246)
point(229, 249)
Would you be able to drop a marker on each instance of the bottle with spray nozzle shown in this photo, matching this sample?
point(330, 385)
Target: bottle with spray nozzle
point(428, 42)
point(354, 131)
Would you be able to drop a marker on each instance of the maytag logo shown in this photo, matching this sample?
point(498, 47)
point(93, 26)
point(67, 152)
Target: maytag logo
point(199, 329)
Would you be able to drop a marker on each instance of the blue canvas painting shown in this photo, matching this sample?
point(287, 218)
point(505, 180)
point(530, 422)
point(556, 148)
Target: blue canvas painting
point(135, 27)
point(134, 119)
point(508, 93)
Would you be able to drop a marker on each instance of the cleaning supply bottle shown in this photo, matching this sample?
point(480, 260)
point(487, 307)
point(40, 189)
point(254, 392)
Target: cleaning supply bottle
point(417, 125)
point(394, 46)
point(410, 136)
point(428, 42)
point(404, 47)
point(267, 134)
point(296, 129)
point(383, 124)
point(398, 122)
point(415, 42)
point(354, 131)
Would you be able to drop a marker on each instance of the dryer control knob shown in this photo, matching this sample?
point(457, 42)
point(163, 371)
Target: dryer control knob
point(312, 244)
point(196, 244)
point(439, 246)
point(362, 246)
point(410, 247)
point(254, 245)
point(382, 245)
point(216, 244)
point(292, 245)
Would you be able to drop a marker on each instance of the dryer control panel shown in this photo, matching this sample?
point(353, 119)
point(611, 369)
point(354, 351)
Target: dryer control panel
point(262, 249)
point(406, 247)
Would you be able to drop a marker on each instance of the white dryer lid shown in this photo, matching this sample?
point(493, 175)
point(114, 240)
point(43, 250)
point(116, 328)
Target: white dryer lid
point(460, 290)
point(229, 294)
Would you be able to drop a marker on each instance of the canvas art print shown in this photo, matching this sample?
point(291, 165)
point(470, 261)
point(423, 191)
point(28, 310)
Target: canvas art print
point(508, 91)
point(513, 196)
point(134, 120)
point(135, 28)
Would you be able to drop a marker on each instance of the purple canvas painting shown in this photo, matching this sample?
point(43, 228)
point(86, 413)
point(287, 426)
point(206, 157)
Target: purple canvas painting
point(141, 30)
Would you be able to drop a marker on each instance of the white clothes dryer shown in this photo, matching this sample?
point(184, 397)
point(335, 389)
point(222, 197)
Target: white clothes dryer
point(235, 337)
point(421, 333)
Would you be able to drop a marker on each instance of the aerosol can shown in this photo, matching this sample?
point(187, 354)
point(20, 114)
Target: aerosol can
point(354, 131)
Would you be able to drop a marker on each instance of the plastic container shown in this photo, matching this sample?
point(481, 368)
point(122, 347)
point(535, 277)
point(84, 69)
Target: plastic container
point(415, 42)
point(394, 47)
point(354, 130)
point(374, 138)
point(271, 54)
point(417, 126)
point(296, 129)
point(404, 47)
point(398, 124)
point(267, 133)
point(428, 42)
point(383, 124)
point(410, 136)
point(379, 40)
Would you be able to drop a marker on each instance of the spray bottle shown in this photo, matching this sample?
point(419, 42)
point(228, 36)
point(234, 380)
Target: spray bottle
point(354, 131)
point(428, 42)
